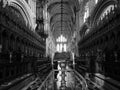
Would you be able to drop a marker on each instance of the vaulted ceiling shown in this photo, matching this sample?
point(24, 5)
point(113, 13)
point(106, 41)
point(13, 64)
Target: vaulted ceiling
point(63, 17)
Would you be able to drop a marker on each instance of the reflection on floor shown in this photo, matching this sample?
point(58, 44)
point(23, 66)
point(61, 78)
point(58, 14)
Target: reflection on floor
point(66, 77)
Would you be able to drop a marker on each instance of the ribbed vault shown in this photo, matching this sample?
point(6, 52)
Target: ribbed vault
point(62, 17)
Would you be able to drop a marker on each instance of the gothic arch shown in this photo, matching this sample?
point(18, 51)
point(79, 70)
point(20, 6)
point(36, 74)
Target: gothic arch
point(25, 11)
point(101, 6)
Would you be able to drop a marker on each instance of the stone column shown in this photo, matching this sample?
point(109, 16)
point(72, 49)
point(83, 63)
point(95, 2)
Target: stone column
point(0, 41)
point(10, 57)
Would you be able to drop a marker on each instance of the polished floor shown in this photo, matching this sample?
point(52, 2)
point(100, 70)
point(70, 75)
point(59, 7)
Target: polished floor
point(62, 78)
point(59, 44)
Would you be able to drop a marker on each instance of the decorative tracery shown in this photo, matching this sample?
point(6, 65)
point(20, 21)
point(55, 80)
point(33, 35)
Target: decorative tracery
point(24, 9)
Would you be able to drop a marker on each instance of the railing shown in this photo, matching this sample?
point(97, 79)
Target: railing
point(44, 85)
point(81, 80)
point(101, 82)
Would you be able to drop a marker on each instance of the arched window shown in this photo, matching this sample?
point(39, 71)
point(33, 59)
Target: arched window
point(86, 14)
point(61, 47)
point(58, 47)
point(61, 39)
point(65, 47)
point(105, 11)
point(96, 1)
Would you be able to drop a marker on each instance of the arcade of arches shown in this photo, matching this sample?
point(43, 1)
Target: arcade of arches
point(59, 44)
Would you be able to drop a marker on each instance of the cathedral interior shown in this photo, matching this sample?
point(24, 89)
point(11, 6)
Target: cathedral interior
point(59, 44)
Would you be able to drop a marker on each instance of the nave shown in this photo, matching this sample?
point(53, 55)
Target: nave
point(59, 44)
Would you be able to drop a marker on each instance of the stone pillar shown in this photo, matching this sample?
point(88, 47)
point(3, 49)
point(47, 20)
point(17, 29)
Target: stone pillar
point(116, 56)
point(0, 41)
point(10, 57)
point(92, 62)
point(22, 57)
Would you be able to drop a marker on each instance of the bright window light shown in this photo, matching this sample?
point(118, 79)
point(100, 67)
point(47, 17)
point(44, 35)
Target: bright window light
point(61, 47)
point(65, 49)
point(96, 1)
point(58, 46)
point(61, 38)
point(86, 15)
